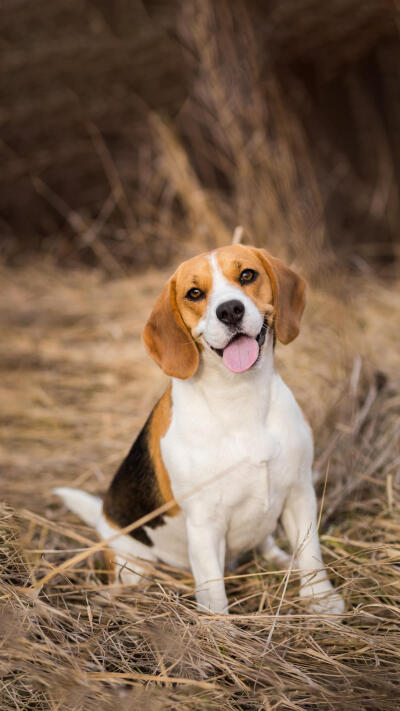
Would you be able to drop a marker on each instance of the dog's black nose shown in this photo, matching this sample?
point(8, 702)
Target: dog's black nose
point(230, 312)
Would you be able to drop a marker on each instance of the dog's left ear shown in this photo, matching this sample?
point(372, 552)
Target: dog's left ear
point(168, 339)
point(288, 289)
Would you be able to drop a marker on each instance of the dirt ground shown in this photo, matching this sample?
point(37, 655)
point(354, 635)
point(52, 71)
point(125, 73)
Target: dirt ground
point(75, 387)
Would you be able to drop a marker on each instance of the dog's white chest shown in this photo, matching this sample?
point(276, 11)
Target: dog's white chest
point(226, 481)
point(245, 507)
point(218, 465)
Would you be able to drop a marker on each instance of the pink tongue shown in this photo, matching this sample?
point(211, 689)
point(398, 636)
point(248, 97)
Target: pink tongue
point(241, 354)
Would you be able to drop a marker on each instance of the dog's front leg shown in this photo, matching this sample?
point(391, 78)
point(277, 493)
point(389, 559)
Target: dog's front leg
point(207, 557)
point(299, 518)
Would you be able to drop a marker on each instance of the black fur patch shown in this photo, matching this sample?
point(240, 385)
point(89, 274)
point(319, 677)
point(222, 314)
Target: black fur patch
point(134, 491)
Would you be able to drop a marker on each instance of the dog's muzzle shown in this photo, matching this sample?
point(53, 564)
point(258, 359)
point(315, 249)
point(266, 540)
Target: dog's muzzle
point(242, 351)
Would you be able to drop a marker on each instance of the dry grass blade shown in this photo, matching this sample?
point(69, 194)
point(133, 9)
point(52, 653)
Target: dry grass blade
point(203, 219)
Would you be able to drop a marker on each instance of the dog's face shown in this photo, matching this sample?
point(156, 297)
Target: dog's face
point(223, 301)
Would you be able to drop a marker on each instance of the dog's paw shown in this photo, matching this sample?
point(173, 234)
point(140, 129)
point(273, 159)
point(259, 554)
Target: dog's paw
point(214, 606)
point(326, 602)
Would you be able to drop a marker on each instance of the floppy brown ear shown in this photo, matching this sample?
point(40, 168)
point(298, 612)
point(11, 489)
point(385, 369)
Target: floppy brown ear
point(168, 339)
point(288, 290)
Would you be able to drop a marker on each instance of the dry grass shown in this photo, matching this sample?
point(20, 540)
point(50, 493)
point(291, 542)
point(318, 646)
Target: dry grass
point(75, 387)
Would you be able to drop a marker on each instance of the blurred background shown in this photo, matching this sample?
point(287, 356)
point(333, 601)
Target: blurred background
point(138, 131)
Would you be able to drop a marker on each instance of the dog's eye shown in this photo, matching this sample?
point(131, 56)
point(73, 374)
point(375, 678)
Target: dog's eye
point(195, 294)
point(247, 276)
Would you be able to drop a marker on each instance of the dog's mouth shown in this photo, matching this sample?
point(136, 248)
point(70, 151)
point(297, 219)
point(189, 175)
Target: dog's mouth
point(242, 351)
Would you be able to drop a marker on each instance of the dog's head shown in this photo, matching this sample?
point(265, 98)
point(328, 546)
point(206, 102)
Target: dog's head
point(223, 301)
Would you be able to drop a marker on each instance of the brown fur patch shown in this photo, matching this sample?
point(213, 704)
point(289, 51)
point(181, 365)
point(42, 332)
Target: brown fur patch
point(196, 272)
point(160, 422)
point(167, 337)
point(288, 290)
point(233, 260)
point(109, 560)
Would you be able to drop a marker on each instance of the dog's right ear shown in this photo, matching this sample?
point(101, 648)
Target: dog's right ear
point(288, 290)
point(168, 339)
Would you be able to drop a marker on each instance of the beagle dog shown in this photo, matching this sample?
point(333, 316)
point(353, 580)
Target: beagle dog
point(227, 443)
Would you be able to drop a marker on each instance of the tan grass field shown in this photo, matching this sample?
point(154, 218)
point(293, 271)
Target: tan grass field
point(75, 387)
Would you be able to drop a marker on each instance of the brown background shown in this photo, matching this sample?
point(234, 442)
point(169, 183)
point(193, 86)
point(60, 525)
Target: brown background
point(260, 96)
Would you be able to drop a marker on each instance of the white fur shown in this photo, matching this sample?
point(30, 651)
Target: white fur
point(87, 506)
point(239, 454)
point(246, 440)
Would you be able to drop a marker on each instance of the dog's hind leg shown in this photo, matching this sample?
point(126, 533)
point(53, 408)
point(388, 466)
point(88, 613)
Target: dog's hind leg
point(122, 552)
point(273, 554)
point(126, 556)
